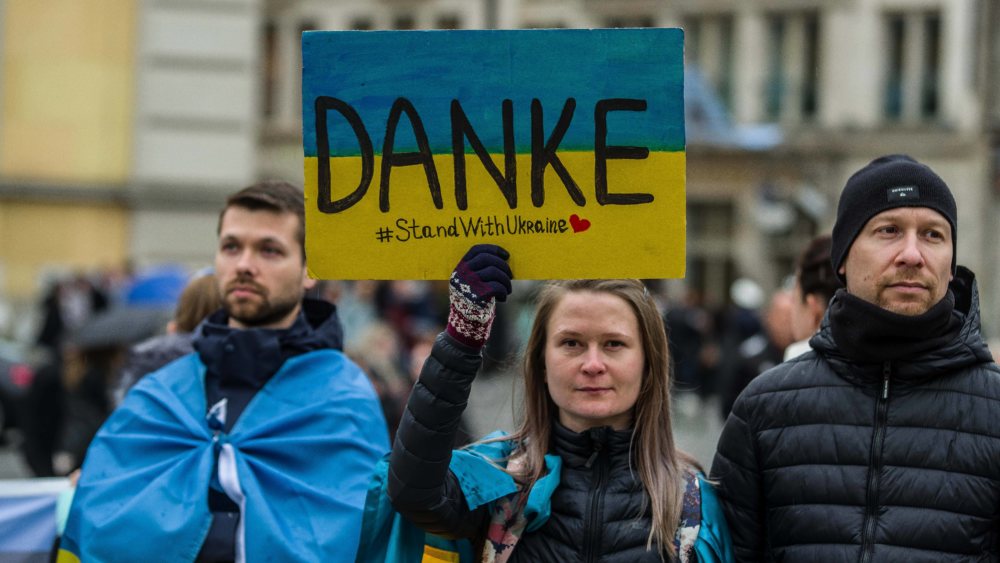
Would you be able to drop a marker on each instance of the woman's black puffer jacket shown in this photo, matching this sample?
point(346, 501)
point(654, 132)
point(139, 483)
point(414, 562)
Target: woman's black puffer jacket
point(594, 509)
point(829, 459)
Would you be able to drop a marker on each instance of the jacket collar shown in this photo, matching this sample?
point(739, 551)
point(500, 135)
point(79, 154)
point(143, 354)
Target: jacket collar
point(954, 345)
point(578, 448)
point(252, 356)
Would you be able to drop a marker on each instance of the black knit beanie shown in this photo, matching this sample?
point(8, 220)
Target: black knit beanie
point(895, 180)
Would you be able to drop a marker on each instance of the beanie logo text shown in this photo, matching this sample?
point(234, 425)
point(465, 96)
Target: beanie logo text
point(902, 193)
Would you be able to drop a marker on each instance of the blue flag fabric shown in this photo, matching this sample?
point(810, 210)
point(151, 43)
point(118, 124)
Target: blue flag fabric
point(387, 537)
point(714, 544)
point(303, 452)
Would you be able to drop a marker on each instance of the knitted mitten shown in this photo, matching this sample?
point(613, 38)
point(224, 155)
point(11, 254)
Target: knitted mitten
point(480, 279)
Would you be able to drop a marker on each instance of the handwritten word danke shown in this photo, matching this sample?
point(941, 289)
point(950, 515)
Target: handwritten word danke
point(544, 153)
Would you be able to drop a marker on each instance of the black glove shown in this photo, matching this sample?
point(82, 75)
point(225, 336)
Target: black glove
point(481, 279)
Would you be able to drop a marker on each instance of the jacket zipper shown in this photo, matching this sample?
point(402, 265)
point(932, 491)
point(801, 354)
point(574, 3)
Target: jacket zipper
point(875, 469)
point(592, 533)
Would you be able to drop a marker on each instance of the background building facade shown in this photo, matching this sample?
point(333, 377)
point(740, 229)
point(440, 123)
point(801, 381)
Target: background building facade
point(123, 124)
point(119, 140)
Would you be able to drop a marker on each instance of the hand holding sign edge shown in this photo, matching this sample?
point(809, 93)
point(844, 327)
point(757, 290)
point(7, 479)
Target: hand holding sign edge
point(481, 277)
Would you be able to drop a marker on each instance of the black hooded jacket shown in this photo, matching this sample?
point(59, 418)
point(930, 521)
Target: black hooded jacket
point(238, 363)
point(881, 445)
point(600, 510)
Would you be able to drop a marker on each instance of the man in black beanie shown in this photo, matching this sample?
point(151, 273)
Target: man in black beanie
point(894, 188)
point(881, 444)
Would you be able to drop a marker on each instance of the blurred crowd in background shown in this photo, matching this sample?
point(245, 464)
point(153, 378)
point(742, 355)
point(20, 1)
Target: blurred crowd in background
point(94, 335)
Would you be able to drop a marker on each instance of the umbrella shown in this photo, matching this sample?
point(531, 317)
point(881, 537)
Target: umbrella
point(158, 287)
point(121, 326)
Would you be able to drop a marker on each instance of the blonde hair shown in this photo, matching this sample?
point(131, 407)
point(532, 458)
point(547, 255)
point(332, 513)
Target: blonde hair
point(199, 299)
point(660, 464)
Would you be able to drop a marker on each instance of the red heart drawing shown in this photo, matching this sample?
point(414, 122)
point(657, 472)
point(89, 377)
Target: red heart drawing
point(579, 225)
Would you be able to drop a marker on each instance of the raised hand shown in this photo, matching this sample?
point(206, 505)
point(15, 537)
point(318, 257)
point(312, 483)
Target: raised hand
point(480, 279)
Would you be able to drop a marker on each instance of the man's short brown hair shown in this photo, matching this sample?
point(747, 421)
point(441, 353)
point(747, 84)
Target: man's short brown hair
point(271, 195)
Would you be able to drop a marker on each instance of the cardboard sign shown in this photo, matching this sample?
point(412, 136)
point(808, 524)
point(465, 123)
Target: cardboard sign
point(566, 147)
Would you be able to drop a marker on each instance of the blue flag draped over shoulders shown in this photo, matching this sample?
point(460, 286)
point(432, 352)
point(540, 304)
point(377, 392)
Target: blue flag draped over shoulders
point(301, 455)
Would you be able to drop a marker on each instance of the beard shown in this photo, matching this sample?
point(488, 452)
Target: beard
point(264, 311)
point(909, 305)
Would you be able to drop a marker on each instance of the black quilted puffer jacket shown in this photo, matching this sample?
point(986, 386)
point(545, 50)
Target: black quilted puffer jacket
point(826, 458)
point(595, 510)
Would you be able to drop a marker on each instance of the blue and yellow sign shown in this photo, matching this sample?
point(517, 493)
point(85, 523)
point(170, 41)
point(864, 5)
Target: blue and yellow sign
point(566, 147)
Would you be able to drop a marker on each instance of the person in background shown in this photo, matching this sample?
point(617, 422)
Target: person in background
point(358, 310)
point(815, 285)
point(68, 399)
point(380, 353)
point(257, 447)
point(882, 444)
point(199, 299)
point(591, 474)
point(761, 351)
point(738, 322)
point(687, 325)
point(65, 308)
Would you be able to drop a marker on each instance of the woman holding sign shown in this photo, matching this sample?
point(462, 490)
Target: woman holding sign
point(591, 474)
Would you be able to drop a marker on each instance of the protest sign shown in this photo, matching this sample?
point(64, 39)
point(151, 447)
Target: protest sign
point(566, 147)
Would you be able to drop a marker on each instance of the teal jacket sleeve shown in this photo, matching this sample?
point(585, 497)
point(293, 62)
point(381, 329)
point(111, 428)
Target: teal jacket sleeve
point(714, 544)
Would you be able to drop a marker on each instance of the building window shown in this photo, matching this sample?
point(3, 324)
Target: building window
point(544, 25)
point(362, 24)
point(450, 21)
point(304, 26)
point(793, 60)
point(404, 21)
point(710, 278)
point(785, 246)
point(894, 74)
point(775, 64)
point(811, 60)
point(929, 94)
point(630, 21)
point(271, 69)
point(307, 25)
point(711, 267)
point(913, 61)
point(711, 220)
point(709, 49)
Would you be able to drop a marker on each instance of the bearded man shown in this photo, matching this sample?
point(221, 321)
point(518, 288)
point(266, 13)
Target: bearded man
point(259, 445)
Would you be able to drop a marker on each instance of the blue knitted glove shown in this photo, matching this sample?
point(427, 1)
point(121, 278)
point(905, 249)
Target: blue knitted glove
point(481, 278)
